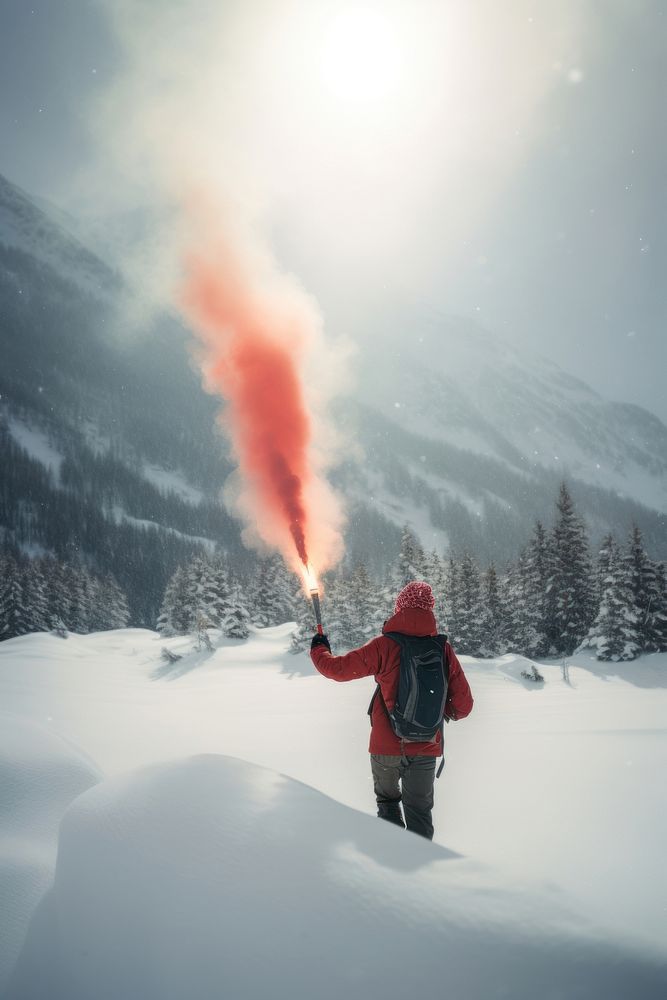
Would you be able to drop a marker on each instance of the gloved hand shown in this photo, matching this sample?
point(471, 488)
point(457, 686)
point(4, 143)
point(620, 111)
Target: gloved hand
point(320, 640)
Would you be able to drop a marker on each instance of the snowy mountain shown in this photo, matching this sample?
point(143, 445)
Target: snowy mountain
point(45, 236)
point(110, 450)
point(469, 389)
point(150, 848)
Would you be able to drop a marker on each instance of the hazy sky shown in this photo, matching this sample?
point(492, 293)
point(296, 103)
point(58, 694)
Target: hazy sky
point(513, 170)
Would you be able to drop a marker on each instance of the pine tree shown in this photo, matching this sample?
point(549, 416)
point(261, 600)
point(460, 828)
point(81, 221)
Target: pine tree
point(614, 633)
point(453, 607)
point(217, 591)
point(539, 597)
point(570, 595)
point(364, 603)
point(608, 552)
point(655, 627)
point(271, 593)
point(525, 617)
point(117, 612)
point(435, 575)
point(646, 591)
point(494, 623)
point(14, 615)
point(237, 620)
point(76, 607)
point(470, 607)
point(340, 614)
point(411, 560)
point(35, 596)
point(175, 613)
point(57, 605)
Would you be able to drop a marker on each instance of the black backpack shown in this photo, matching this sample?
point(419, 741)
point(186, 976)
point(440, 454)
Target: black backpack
point(419, 711)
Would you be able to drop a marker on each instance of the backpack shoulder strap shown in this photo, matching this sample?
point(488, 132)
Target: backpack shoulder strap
point(442, 639)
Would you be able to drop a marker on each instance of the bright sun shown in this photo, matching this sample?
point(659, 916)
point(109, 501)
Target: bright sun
point(361, 56)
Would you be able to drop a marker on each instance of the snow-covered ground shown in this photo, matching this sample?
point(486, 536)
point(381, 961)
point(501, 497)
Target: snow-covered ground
point(195, 872)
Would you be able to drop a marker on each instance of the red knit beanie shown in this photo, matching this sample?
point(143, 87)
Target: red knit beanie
point(415, 595)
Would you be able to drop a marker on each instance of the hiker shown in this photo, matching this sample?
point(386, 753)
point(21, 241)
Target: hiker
point(403, 769)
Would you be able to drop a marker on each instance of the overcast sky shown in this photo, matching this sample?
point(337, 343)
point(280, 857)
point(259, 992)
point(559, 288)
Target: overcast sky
point(550, 233)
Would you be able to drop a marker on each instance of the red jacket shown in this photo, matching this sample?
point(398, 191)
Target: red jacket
point(381, 657)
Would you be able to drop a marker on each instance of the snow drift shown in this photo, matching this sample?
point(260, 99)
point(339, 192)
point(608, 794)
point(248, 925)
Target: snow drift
point(212, 877)
point(40, 774)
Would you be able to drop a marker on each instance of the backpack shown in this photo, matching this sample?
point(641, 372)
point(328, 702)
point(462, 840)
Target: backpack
point(419, 711)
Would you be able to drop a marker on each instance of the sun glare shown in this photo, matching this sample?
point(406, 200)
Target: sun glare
point(361, 59)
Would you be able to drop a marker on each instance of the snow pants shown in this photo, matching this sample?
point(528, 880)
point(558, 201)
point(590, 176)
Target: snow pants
point(408, 780)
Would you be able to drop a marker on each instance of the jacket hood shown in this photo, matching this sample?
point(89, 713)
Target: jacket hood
point(412, 621)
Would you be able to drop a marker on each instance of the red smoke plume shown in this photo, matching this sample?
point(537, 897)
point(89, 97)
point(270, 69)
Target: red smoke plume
point(256, 327)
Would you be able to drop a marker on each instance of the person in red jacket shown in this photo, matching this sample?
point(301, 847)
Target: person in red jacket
point(403, 771)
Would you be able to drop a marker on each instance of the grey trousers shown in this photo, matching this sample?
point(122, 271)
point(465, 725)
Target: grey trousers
point(408, 780)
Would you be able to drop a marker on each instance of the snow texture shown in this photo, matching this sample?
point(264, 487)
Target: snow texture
point(205, 876)
point(211, 876)
point(40, 774)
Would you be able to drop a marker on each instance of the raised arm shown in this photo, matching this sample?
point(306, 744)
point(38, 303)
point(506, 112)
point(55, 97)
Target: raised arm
point(361, 662)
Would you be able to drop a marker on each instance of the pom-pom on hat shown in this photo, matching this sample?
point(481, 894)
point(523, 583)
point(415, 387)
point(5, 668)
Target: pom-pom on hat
point(415, 595)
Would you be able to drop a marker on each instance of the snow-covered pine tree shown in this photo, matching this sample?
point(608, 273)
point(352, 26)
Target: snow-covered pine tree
point(570, 593)
point(271, 600)
point(174, 614)
point(655, 628)
point(98, 619)
point(364, 603)
point(523, 617)
point(14, 613)
point(435, 575)
point(608, 551)
point(35, 595)
point(494, 622)
point(411, 563)
point(614, 634)
point(453, 607)
point(76, 607)
point(237, 619)
point(114, 599)
point(206, 593)
point(644, 585)
point(214, 591)
point(338, 607)
point(470, 607)
point(53, 572)
point(539, 597)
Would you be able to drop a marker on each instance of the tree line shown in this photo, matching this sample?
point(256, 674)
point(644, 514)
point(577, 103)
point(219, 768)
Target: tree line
point(42, 595)
point(554, 599)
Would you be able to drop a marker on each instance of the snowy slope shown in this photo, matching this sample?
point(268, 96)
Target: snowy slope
point(40, 774)
point(456, 383)
point(25, 227)
point(552, 797)
point(213, 877)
